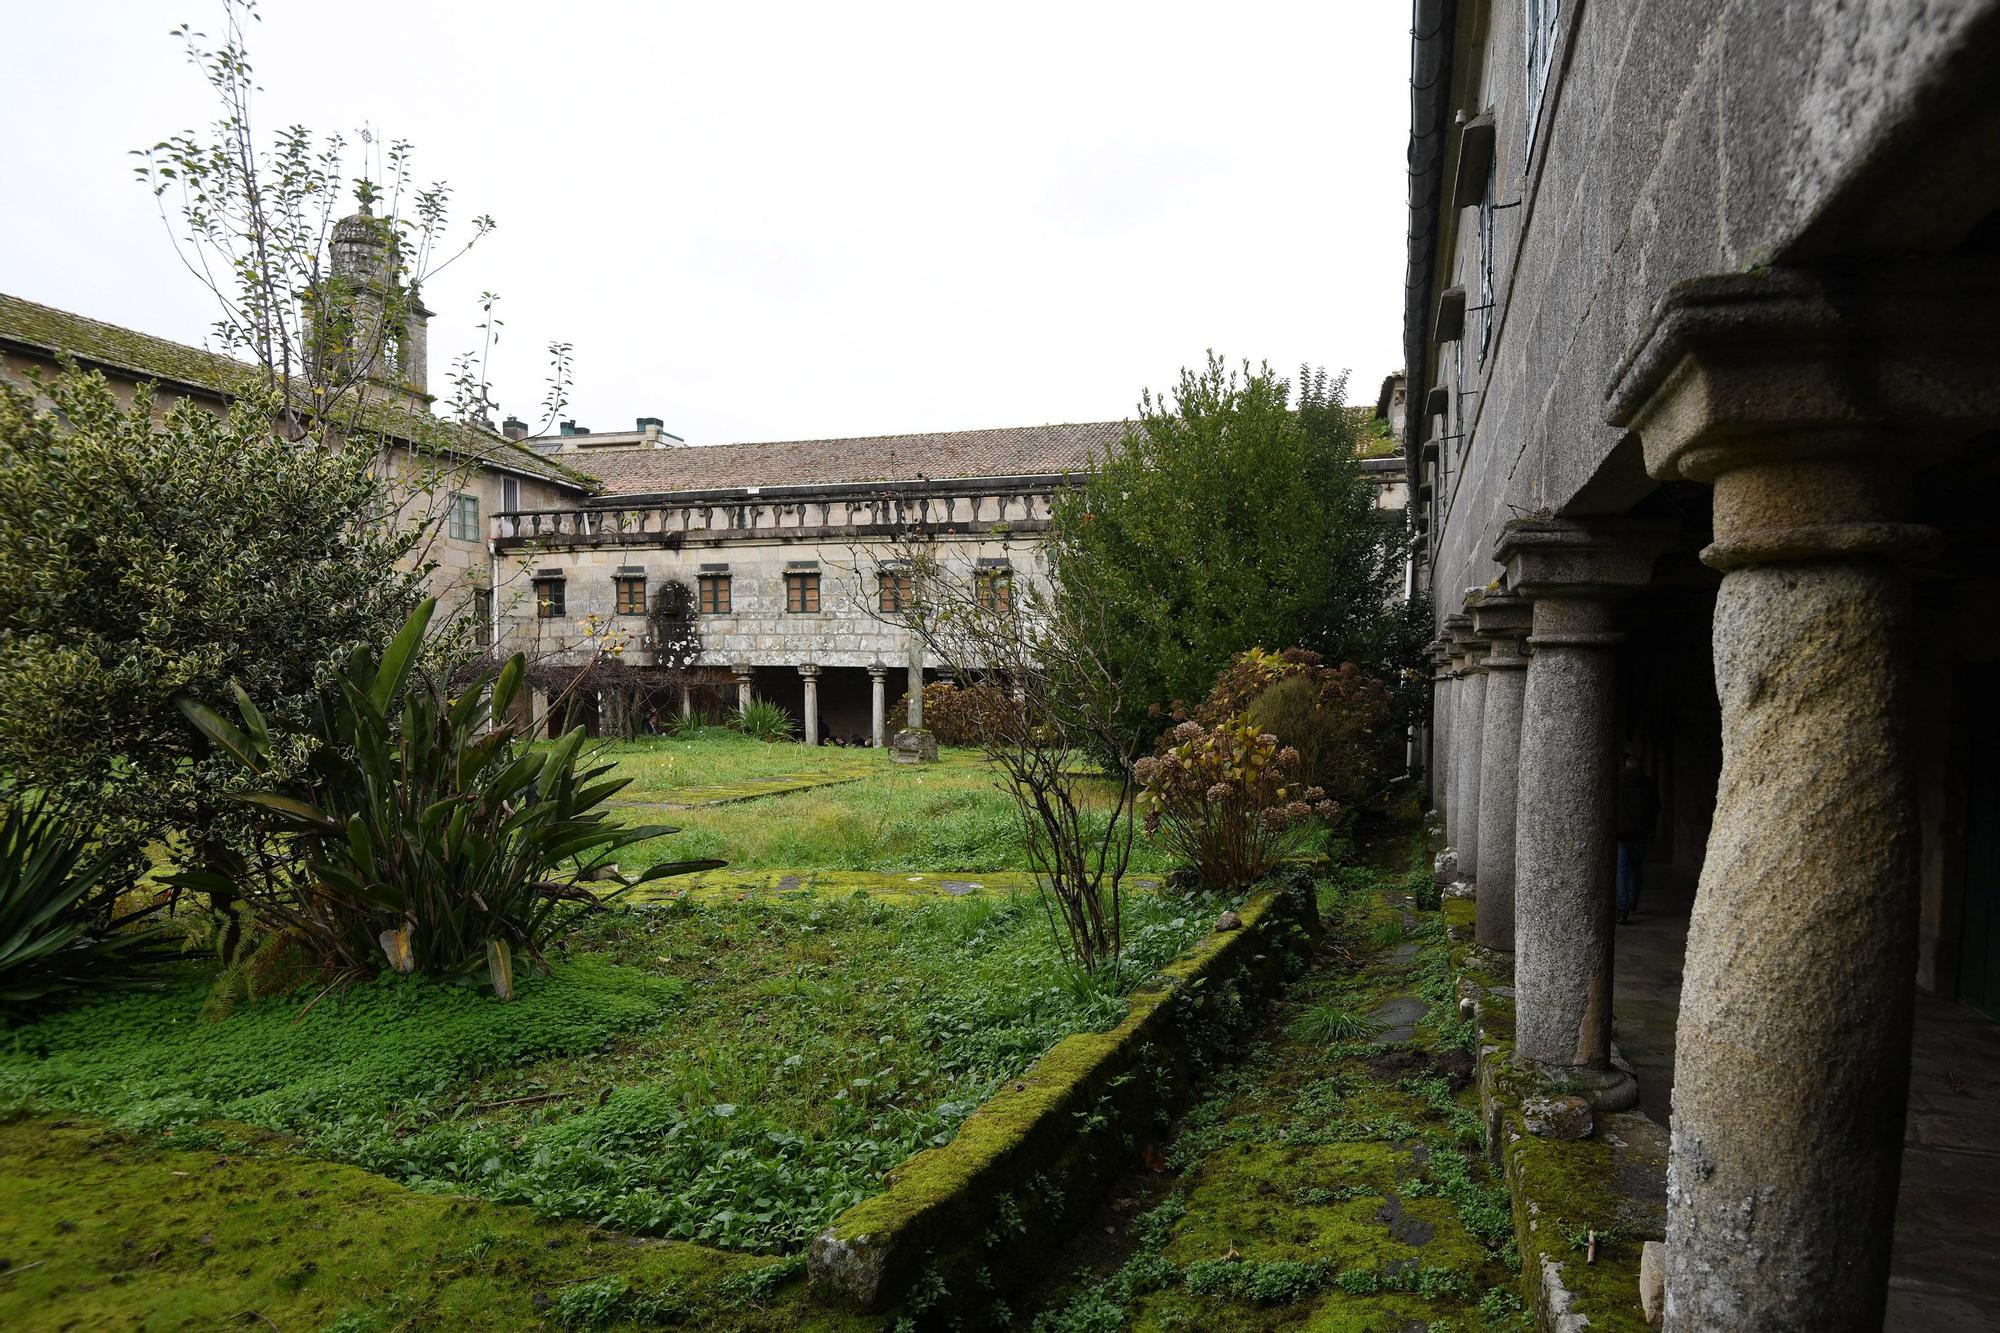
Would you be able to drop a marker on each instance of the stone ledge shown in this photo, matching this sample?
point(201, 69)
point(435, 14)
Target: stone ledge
point(967, 1219)
point(1612, 1183)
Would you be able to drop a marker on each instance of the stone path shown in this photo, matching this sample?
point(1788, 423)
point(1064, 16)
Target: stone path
point(1943, 1274)
point(1327, 1181)
point(728, 793)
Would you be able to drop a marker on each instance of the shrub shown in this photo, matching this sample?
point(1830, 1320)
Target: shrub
point(1245, 462)
point(230, 554)
point(1337, 718)
point(61, 931)
point(1228, 799)
point(969, 714)
point(763, 720)
point(427, 832)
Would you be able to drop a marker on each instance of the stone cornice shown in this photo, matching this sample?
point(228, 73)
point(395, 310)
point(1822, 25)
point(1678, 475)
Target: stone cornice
point(1893, 359)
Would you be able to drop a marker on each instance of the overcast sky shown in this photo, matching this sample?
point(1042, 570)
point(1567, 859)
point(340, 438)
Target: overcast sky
point(782, 221)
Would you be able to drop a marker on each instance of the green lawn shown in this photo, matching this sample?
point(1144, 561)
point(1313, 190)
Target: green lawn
point(725, 1069)
point(871, 816)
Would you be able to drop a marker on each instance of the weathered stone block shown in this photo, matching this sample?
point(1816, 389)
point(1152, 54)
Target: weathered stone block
point(1653, 1281)
point(913, 745)
point(1565, 1117)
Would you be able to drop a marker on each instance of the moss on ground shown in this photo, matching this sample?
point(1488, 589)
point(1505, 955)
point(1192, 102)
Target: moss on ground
point(1322, 1184)
point(102, 1229)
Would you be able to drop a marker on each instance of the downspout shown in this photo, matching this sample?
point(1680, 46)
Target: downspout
point(1431, 32)
point(1432, 27)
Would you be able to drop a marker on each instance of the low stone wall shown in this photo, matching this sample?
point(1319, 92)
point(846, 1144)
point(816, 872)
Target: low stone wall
point(1583, 1207)
point(961, 1224)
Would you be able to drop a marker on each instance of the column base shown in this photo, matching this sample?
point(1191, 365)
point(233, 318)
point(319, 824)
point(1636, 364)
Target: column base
point(1609, 1089)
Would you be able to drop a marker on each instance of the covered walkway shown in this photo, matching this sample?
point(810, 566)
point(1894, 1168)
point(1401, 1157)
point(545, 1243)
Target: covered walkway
point(1945, 1274)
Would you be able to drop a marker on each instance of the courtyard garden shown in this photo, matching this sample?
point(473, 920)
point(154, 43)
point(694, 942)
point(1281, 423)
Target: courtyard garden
point(338, 993)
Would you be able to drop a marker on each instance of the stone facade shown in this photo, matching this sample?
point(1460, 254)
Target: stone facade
point(1701, 375)
point(755, 541)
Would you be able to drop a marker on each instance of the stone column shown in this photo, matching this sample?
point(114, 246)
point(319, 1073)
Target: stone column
point(1565, 839)
point(538, 713)
point(811, 675)
point(743, 675)
point(1468, 734)
point(915, 701)
point(1455, 628)
point(1807, 400)
point(878, 711)
point(687, 698)
point(1502, 620)
point(1440, 727)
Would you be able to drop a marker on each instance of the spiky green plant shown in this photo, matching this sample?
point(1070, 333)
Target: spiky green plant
point(61, 930)
point(1326, 1024)
point(763, 720)
point(426, 832)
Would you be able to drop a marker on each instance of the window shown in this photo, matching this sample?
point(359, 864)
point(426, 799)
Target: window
point(714, 592)
point(463, 521)
point(631, 594)
point(1486, 264)
point(895, 595)
point(802, 590)
point(993, 589)
point(549, 598)
point(510, 493)
point(481, 611)
point(1540, 43)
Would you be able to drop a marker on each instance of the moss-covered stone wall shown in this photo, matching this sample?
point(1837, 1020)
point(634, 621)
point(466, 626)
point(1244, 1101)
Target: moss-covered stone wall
point(961, 1224)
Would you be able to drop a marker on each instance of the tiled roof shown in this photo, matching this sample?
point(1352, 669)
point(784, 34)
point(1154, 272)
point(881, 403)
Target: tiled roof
point(1011, 451)
point(50, 332)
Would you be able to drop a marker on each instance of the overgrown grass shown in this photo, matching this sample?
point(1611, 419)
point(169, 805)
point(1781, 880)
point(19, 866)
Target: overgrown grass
point(943, 817)
point(734, 1073)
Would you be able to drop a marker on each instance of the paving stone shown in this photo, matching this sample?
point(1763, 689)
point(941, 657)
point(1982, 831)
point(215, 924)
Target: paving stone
point(1397, 1020)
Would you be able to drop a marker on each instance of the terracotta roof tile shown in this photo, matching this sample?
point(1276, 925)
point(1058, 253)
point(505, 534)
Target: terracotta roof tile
point(1014, 451)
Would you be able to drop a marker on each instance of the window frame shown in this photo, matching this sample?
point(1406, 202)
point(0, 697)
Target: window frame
point(716, 582)
point(894, 591)
point(510, 494)
point(993, 588)
point(462, 523)
point(802, 586)
point(549, 607)
point(1540, 26)
point(620, 585)
point(482, 616)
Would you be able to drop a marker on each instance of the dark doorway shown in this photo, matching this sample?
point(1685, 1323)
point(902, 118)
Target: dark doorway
point(1979, 939)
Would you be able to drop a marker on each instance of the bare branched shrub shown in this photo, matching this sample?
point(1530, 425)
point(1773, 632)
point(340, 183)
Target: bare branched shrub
point(1051, 656)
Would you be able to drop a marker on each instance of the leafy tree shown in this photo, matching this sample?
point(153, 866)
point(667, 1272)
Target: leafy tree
point(148, 555)
point(1230, 516)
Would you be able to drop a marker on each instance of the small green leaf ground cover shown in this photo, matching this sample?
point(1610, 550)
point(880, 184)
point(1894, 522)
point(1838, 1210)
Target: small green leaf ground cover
point(733, 1073)
point(1325, 1183)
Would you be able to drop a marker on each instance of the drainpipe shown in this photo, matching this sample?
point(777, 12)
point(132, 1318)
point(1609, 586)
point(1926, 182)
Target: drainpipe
point(1431, 27)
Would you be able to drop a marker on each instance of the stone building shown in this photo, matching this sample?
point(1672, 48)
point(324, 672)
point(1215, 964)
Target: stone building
point(1705, 388)
point(458, 474)
point(789, 551)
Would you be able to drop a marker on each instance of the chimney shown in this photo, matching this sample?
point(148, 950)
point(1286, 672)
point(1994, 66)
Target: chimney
point(514, 428)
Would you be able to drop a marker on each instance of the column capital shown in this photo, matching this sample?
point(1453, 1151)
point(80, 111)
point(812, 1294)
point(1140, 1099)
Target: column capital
point(1889, 362)
point(1504, 619)
point(1598, 560)
point(878, 669)
point(742, 670)
point(808, 670)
